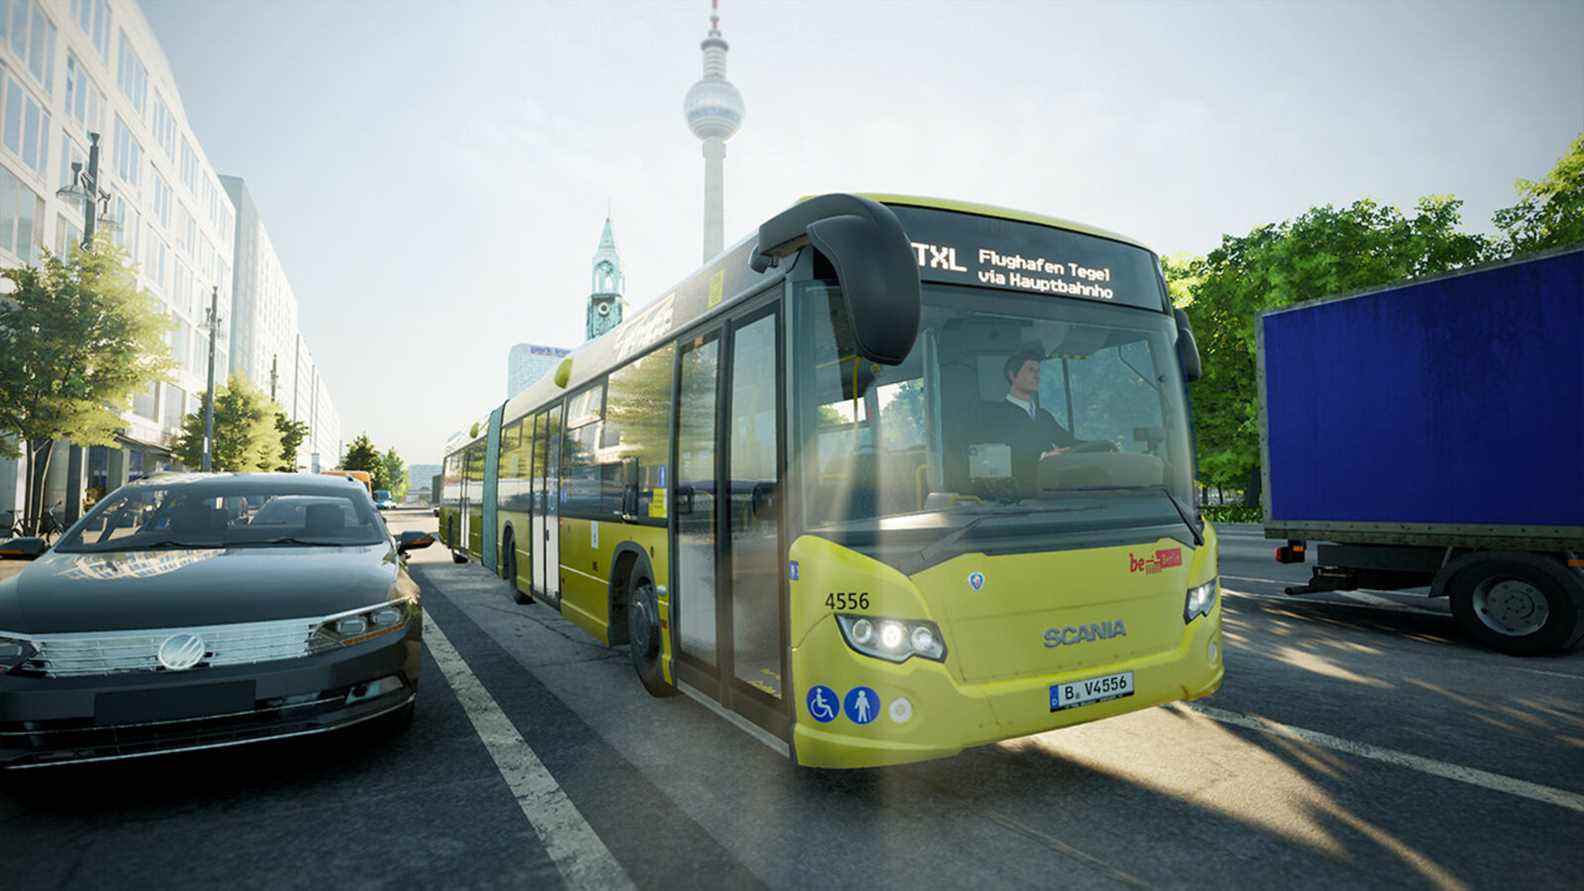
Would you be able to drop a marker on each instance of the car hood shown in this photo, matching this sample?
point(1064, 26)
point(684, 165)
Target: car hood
point(122, 590)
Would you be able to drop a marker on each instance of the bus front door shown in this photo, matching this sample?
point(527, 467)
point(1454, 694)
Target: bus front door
point(728, 595)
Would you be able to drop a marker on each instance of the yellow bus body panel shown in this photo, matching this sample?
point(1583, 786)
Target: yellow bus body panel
point(995, 681)
point(586, 574)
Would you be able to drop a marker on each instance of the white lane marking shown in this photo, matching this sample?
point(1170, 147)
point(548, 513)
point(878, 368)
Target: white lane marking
point(1493, 781)
point(776, 744)
point(571, 842)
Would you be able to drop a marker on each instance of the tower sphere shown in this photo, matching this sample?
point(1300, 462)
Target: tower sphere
point(713, 108)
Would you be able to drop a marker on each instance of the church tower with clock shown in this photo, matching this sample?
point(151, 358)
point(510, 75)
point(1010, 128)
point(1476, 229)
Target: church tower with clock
point(606, 303)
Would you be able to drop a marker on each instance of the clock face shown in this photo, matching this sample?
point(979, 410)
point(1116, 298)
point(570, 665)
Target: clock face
point(604, 309)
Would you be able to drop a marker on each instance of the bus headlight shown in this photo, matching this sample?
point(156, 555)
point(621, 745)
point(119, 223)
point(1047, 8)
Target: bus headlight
point(1200, 599)
point(894, 640)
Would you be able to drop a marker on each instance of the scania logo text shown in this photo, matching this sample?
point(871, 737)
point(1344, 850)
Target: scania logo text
point(182, 651)
point(1077, 634)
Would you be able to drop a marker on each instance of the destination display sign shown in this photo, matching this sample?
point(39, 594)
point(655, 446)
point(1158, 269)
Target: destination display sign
point(965, 249)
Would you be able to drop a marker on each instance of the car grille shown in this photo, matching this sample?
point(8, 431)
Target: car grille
point(114, 652)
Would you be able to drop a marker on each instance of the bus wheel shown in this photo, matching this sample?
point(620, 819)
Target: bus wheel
point(511, 571)
point(643, 634)
point(1519, 604)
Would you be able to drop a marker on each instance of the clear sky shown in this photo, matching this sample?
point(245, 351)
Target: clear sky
point(434, 175)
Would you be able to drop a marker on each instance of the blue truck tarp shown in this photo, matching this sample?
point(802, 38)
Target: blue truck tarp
point(1456, 401)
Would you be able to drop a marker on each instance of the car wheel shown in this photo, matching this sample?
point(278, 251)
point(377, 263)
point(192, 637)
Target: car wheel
point(1519, 604)
point(643, 635)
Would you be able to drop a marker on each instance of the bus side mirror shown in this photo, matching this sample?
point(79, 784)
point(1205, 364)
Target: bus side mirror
point(1187, 349)
point(874, 262)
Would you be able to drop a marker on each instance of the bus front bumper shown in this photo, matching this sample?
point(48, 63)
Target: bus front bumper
point(924, 711)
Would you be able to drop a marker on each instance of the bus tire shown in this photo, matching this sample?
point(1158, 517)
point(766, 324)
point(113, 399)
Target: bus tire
point(455, 557)
point(518, 594)
point(643, 632)
point(1517, 603)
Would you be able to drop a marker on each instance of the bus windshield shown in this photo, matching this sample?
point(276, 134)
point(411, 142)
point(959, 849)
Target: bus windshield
point(1009, 404)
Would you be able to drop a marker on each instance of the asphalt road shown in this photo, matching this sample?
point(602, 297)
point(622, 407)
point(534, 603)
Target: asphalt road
point(1356, 742)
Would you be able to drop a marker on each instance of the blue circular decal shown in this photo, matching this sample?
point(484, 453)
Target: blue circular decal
point(862, 705)
point(823, 703)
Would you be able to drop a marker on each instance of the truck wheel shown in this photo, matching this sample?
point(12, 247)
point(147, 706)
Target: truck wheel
point(643, 633)
point(1519, 604)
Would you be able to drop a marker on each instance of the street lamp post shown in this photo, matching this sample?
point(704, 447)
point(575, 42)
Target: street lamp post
point(213, 324)
point(84, 187)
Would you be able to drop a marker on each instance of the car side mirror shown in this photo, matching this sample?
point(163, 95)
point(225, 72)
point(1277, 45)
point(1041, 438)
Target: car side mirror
point(1187, 349)
point(412, 540)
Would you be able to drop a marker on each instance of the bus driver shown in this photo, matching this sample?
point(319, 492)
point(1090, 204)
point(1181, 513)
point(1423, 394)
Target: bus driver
point(1031, 432)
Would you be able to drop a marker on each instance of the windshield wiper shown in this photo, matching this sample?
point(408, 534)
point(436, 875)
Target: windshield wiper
point(158, 544)
point(1177, 505)
point(293, 540)
point(1198, 531)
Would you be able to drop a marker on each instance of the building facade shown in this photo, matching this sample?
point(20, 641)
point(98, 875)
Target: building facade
point(266, 346)
point(68, 69)
point(528, 362)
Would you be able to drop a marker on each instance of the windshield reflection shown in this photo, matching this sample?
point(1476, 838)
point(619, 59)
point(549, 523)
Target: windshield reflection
point(1008, 404)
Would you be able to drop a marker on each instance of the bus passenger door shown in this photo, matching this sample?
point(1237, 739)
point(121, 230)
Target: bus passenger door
point(550, 554)
point(536, 505)
point(728, 593)
point(693, 507)
point(752, 503)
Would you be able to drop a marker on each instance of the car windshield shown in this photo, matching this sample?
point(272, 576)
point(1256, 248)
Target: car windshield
point(1008, 404)
point(221, 513)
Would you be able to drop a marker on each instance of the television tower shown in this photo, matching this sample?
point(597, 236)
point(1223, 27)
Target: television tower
point(714, 111)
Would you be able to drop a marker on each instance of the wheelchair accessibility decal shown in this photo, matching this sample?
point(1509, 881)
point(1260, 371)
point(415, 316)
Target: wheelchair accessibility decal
point(861, 705)
point(823, 703)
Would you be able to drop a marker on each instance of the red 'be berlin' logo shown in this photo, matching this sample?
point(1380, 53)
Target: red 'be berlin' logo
point(1164, 558)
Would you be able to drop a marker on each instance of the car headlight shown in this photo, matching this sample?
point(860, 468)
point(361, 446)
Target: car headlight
point(14, 651)
point(894, 640)
point(1200, 599)
point(355, 627)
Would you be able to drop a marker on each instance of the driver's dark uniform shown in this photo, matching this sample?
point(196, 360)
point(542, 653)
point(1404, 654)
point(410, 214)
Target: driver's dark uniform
point(1028, 436)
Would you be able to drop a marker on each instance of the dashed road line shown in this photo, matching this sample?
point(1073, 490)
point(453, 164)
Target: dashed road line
point(1484, 779)
point(574, 847)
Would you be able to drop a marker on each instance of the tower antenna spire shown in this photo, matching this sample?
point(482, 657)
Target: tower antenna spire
point(714, 111)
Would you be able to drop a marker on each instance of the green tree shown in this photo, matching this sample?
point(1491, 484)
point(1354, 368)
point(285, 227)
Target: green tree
point(361, 455)
point(1549, 213)
point(245, 436)
point(1325, 251)
point(392, 474)
point(292, 433)
point(77, 339)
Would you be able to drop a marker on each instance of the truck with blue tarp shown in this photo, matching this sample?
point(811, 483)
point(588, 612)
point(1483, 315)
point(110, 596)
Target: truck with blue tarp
point(1431, 433)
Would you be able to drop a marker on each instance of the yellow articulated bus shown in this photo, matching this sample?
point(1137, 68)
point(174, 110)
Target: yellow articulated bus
point(892, 478)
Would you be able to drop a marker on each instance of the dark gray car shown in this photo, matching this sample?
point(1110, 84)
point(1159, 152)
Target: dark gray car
point(201, 611)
